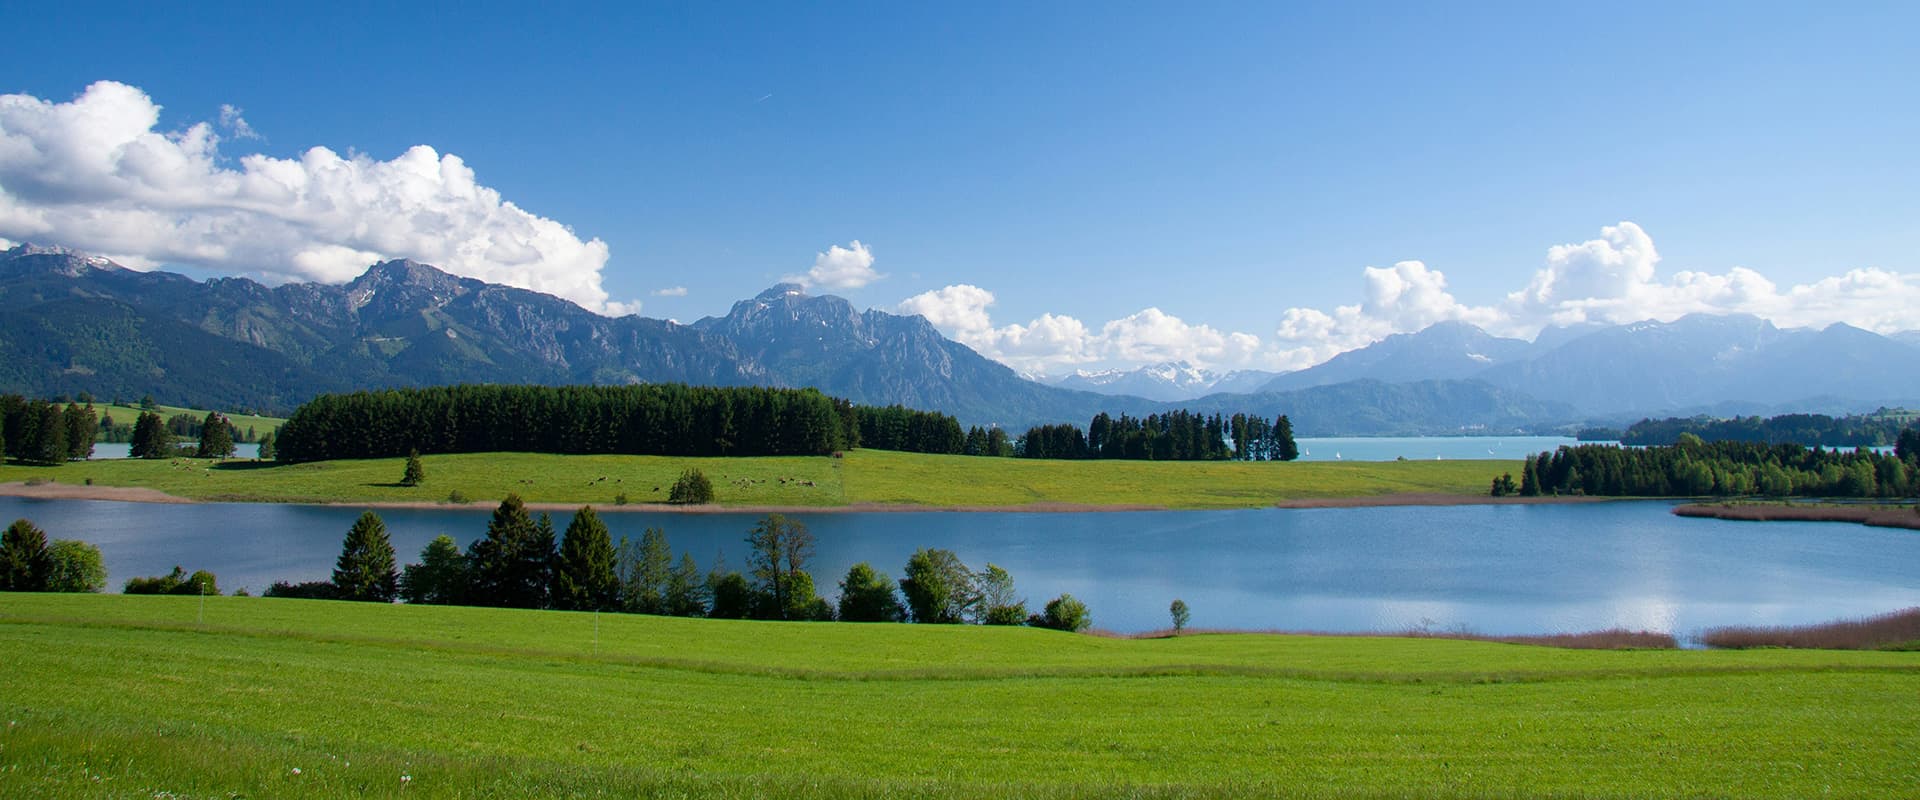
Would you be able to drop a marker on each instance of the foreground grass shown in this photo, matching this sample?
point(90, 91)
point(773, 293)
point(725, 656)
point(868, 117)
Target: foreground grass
point(860, 477)
point(111, 696)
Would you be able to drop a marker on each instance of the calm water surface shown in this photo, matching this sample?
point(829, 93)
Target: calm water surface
point(1491, 569)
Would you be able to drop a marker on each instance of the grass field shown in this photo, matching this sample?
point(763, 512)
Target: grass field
point(861, 476)
point(114, 696)
point(125, 415)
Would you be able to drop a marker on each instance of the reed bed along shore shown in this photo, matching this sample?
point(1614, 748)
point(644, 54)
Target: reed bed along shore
point(1899, 630)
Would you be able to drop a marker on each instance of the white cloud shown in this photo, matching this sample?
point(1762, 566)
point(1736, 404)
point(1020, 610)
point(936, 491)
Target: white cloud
point(235, 124)
point(1613, 279)
point(672, 291)
point(1051, 343)
point(840, 268)
point(94, 173)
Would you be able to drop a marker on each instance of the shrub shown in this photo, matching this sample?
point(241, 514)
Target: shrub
point(458, 498)
point(76, 567)
point(692, 488)
point(1063, 613)
point(309, 590)
point(175, 582)
point(1015, 614)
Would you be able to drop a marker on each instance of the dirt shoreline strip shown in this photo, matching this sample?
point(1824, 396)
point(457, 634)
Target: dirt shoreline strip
point(1767, 512)
point(65, 491)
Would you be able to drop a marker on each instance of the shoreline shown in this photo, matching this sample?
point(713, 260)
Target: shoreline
point(128, 494)
point(1876, 517)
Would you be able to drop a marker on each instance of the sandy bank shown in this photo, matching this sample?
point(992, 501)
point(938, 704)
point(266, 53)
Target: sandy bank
point(68, 491)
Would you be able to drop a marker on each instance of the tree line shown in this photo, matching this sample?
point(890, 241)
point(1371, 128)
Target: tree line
point(45, 432)
point(523, 562)
point(1697, 468)
point(897, 427)
point(1869, 430)
point(1171, 436)
point(650, 419)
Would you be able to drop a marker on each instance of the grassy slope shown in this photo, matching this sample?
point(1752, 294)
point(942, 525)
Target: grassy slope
point(127, 696)
point(863, 476)
point(125, 415)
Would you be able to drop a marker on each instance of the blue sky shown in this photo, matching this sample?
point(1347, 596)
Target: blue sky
point(1078, 164)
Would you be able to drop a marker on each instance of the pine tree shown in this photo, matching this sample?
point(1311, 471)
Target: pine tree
point(585, 579)
point(441, 577)
point(365, 569)
point(25, 563)
point(1529, 481)
point(46, 437)
point(151, 439)
point(648, 573)
point(81, 430)
point(1284, 447)
point(507, 565)
point(216, 436)
point(416, 473)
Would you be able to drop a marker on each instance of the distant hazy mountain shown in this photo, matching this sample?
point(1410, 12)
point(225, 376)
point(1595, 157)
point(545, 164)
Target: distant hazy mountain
point(1169, 381)
point(1703, 360)
point(1446, 350)
point(1376, 408)
point(1907, 338)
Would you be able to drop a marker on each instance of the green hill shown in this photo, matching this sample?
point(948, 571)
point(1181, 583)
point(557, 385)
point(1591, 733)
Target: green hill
point(113, 696)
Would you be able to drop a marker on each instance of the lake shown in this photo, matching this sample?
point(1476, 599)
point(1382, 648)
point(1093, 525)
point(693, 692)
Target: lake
point(1430, 448)
point(1491, 569)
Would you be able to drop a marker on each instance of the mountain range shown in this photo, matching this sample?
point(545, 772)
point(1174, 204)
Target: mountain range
point(70, 323)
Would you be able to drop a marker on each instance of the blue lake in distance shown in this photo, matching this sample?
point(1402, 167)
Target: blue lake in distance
point(1502, 569)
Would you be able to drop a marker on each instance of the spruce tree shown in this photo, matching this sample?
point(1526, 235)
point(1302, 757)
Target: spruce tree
point(1529, 481)
point(216, 436)
point(81, 430)
point(151, 439)
point(47, 440)
point(501, 566)
point(266, 446)
point(1284, 447)
point(25, 563)
point(416, 473)
point(585, 580)
point(365, 570)
point(650, 571)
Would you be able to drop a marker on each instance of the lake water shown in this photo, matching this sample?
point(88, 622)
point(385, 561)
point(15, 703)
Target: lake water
point(111, 450)
point(1491, 569)
point(1428, 448)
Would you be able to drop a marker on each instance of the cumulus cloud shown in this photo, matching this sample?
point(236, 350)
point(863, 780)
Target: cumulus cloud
point(671, 291)
point(96, 173)
point(840, 268)
point(1052, 343)
point(1613, 279)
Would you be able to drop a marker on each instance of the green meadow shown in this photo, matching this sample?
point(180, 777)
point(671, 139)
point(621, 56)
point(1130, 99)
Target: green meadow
point(116, 696)
point(860, 477)
point(125, 415)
